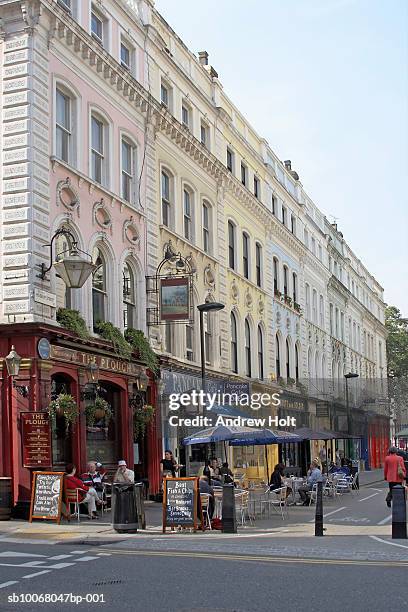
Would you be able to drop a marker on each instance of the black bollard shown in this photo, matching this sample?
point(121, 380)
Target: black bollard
point(229, 519)
point(399, 513)
point(319, 510)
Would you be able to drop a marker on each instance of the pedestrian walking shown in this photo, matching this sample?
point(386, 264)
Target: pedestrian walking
point(394, 471)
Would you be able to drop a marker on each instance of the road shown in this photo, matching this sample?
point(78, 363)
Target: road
point(284, 567)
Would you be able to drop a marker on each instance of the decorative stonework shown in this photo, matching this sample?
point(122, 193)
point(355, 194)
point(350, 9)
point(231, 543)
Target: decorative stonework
point(248, 299)
point(130, 233)
point(67, 195)
point(234, 292)
point(261, 307)
point(209, 276)
point(101, 215)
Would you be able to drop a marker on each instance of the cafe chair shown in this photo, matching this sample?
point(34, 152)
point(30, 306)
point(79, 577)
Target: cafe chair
point(72, 496)
point(277, 499)
point(205, 507)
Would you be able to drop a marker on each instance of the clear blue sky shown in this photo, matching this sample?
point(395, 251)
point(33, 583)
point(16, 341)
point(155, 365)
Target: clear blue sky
point(325, 82)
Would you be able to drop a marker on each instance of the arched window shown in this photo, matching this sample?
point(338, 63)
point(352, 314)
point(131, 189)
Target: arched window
point(296, 362)
point(287, 359)
point(294, 287)
point(275, 276)
point(247, 348)
point(231, 245)
point(128, 297)
point(277, 357)
point(260, 353)
point(285, 281)
point(258, 264)
point(99, 289)
point(245, 254)
point(234, 343)
point(63, 293)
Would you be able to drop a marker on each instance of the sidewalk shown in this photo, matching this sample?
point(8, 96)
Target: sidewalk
point(373, 476)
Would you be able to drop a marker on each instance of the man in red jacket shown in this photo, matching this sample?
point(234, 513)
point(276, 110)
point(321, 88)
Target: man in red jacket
point(394, 471)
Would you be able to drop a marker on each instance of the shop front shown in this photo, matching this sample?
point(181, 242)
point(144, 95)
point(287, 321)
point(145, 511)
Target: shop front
point(90, 392)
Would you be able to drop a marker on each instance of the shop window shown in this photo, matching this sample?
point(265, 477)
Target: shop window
point(60, 433)
point(103, 436)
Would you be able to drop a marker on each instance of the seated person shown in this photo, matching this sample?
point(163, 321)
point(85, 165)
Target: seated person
point(93, 478)
point(314, 476)
point(87, 495)
point(276, 481)
point(215, 470)
point(204, 487)
point(226, 474)
point(123, 474)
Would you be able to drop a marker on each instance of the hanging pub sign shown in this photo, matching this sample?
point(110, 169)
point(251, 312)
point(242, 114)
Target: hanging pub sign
point(36, 438)
point(174, 299)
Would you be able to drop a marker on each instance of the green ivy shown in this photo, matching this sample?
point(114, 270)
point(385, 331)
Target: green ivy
point(140, 344)
point(72, 320)
point(109, 332)
point(142, 416)
point(65, 405)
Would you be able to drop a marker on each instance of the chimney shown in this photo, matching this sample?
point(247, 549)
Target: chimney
point(203, 58)
point(288, 164)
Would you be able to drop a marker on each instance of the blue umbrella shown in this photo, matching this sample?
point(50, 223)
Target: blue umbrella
point(218, 434)
point(257, 437)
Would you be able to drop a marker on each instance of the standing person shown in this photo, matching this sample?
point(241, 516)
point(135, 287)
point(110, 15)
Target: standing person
point(123, 474)
point(87, 495)
point(168, 465)
point(394, 472)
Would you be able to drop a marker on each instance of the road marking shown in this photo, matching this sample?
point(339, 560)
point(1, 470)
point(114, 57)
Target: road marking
point(37, 574)
point(86, 559)
point(224, 557)
point(386, 542)
point(59, 557)
point(386, 520)
point(9, 583)
point(9, 553)
point(60, 565)
point(369, 497)
point(330, 513)
point(79, 552)
point(104, 555)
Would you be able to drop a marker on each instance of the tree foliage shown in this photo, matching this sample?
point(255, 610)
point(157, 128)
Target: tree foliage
point(397, 343)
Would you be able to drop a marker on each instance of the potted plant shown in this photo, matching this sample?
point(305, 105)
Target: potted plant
point(297, 307)
point(97, 410)
point(142, 415)
point(64, 405)
point(140, 344)
point(288, 300)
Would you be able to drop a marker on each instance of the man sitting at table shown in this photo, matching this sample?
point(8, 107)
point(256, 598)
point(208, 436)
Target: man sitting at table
point(93, 478)
point(314, 476)
point(205, 488)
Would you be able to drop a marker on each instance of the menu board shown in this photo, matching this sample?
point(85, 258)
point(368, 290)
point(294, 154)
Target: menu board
point(46, 495)
point(36, 437)
point(180, 501)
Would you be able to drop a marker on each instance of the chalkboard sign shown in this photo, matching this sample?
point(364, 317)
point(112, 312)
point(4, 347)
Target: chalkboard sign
point(180, 502)
point(46, 496)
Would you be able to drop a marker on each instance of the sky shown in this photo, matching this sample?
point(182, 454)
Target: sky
point(325, 82)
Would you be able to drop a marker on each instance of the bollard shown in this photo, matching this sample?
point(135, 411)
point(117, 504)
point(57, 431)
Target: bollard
point(319, 510)
point(229, 519)
point(399, 513)
point(141, 517)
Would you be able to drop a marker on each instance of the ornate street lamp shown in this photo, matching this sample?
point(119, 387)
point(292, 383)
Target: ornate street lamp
point(72, 267)
point(143, 381)
point(13, 361)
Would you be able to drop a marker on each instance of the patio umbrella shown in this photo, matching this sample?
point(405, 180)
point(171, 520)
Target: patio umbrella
point(218, 434)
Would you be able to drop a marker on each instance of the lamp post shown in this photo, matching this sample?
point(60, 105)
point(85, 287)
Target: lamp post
point(347, 376)
point(202, 308)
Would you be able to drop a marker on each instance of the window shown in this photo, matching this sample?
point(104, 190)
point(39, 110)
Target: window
point(314, 306)
point(245, 255)
point(306, 238)
point(127, 171)
point(283, 215)
point(99, 285)
point(206, 227)
point(66, 4)
point(287, 359)
point(321, 311)
point(313, 245)
point(231, 245)
point(275, 275)
point(331, 319)
point(277, 358)
point(97, 26)
point(285, 281)
point(189, 342)
point(97, 150)
point(320, 252)
point(274, 205)
point(124, 56)
point(63, 126)
point(307, 301)
point(257, 186)
point(234, 344)
point(166, 206)
point(128, 297)
point(63, 293)
point(205, 135)
point(187, 215)
point(296, 362)
point(294, 285)
point(258, 264)
point(336, 321)
point(247, 348)
point(342, 326)
point(185, 116)
point(168, 337)
point(260, 353)
point(164, 95)
point(293, 225)
point(230, 160)
point(244, 174)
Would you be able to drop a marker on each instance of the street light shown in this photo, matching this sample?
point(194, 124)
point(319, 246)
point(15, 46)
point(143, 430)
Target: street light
point(143, 381)
point(13, 361)
point(73, 269)
point(202, 308)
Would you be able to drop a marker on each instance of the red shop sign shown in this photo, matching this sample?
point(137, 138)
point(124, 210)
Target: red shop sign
point(36, 437)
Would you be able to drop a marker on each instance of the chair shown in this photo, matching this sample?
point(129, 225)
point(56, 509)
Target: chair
point(72, 497)
point(205, 507)
point(277, 499)
point(242, 506)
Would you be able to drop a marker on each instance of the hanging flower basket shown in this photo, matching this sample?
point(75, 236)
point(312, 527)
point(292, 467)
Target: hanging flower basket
point(64, 405)
point(142, 416)
point(97, 410)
